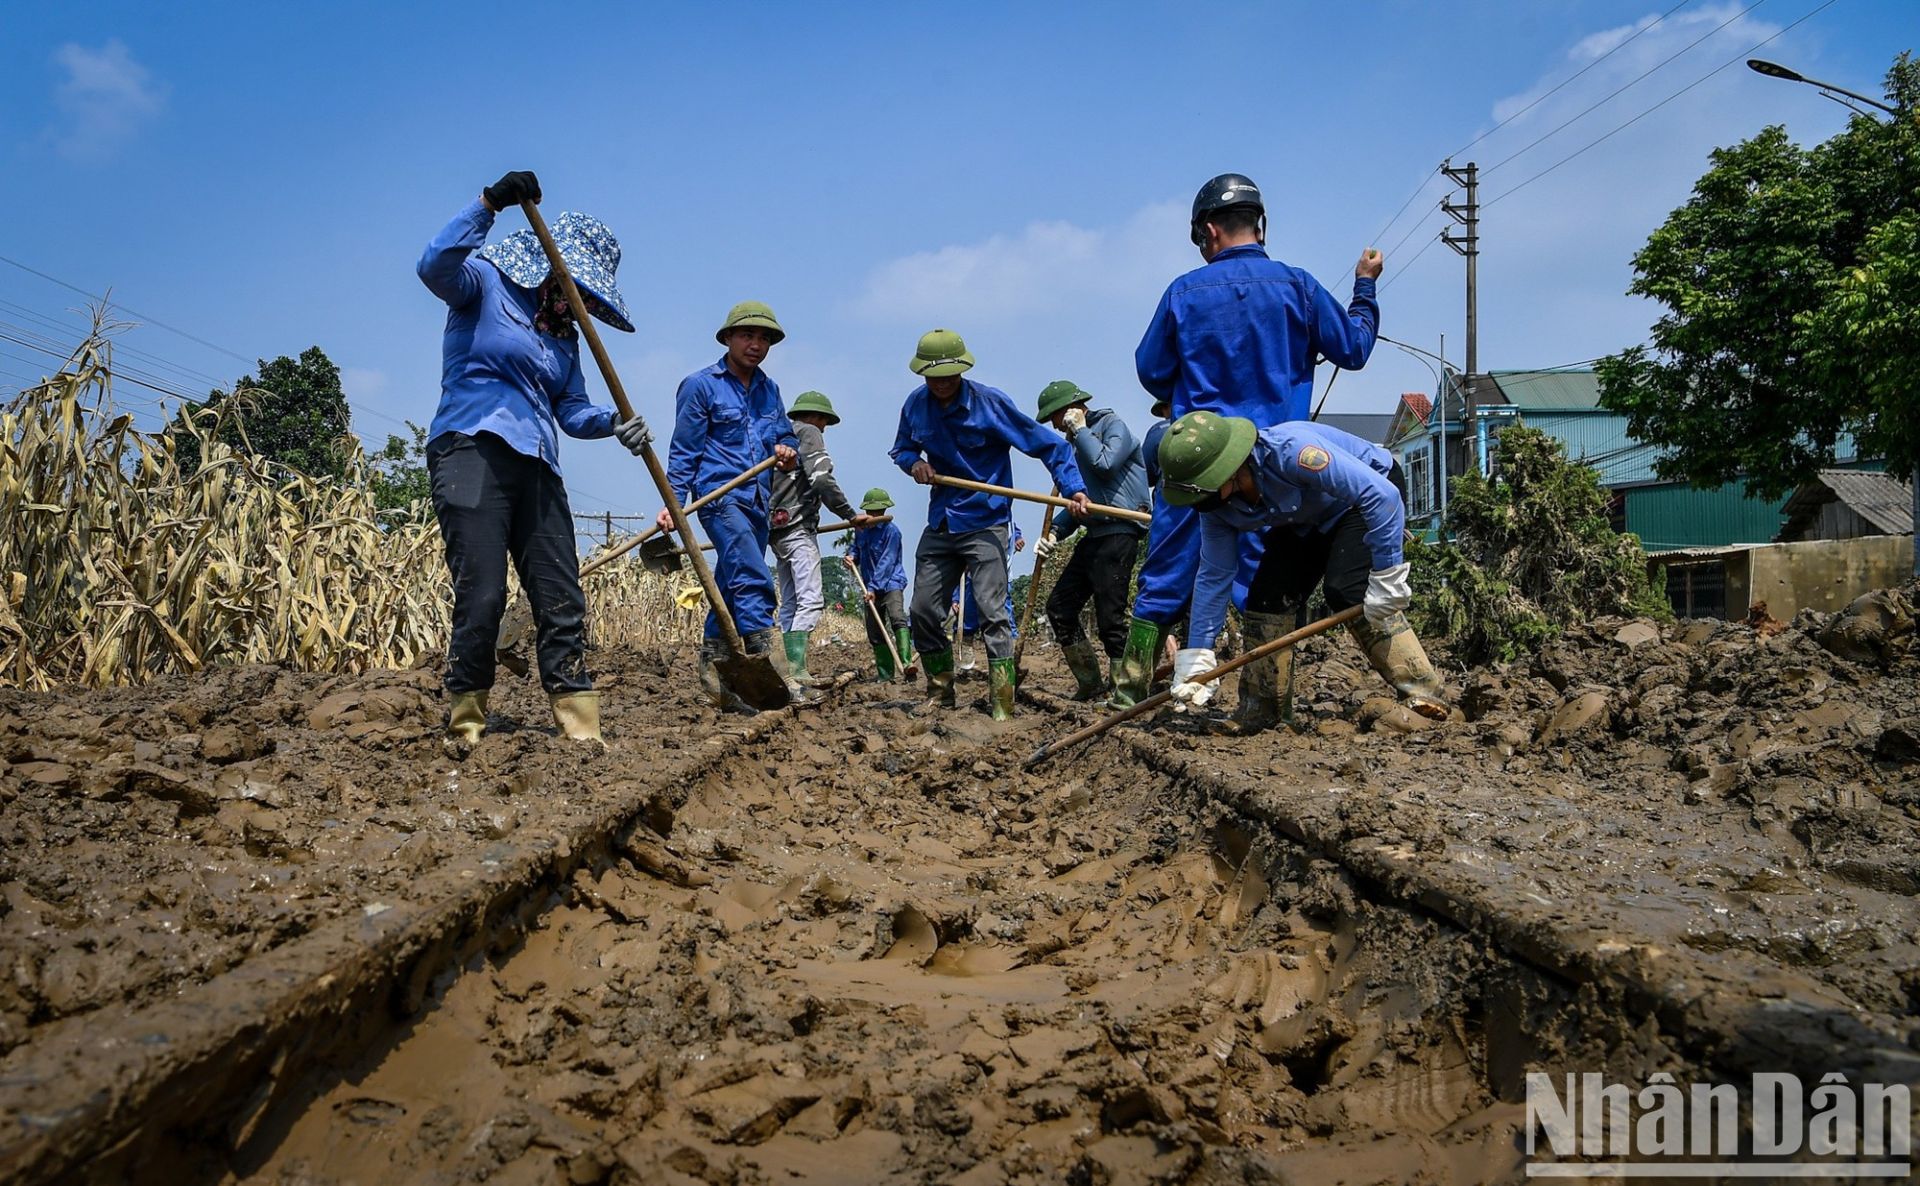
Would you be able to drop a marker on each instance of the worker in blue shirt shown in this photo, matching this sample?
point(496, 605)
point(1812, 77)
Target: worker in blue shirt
point(510, 383)
point(1165, 586)
point(727, 418)
point(1240, 336)
point(878, 556)
point(1333, 512)
point(954, 427)
point(1101, 569)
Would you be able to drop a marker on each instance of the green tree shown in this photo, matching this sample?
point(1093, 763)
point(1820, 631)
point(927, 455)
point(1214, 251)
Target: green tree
point(292, 411)
point(1789, 280)
point(398, 471)
point(836, 582)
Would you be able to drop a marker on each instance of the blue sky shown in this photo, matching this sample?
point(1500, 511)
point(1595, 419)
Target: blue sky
point(263, 177)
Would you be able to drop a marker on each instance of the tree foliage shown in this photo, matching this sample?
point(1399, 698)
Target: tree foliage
point(1532, 549)
point(1789, 280)
point(290, 411)
point(398, 471)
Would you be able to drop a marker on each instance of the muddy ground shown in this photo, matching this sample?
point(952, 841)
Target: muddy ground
point(870, 948)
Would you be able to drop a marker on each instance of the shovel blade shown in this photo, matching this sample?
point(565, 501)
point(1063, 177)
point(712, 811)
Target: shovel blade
point(659, 555)
point(754, 680)
point(515, 639)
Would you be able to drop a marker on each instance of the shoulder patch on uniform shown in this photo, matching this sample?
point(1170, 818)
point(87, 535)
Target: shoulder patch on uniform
point(1314, 458)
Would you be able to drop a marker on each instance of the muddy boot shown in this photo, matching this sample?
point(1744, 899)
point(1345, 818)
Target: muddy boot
point(577, 714)
point(1000, 687)
point(883, 662)
point(940, 692)
point(762, 642)
point(1133, 670)
point(467, 718)
point(1397, 655)
point(796, 643)
point(1085, 665)
point(1258, 708)
point(903, 639)
point(712, 650)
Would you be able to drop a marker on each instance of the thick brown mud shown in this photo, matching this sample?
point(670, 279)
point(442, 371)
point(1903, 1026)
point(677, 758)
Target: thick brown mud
point(868, 946)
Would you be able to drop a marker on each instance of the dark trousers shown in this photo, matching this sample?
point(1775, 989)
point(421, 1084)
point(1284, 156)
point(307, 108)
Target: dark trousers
point(494, 503)
point(892, 604)
point(1101, 570)
point(938, 561)
point(1298, 559)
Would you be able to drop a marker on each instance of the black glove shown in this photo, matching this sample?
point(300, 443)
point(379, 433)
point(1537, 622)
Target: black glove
point(512, 189)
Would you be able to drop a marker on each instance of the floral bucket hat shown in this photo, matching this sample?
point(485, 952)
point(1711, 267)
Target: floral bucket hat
point(591, 253)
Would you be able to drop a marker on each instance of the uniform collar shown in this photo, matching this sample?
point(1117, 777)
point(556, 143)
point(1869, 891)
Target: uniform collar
point(1242, 251)
point(720, 369)
point(962, 403)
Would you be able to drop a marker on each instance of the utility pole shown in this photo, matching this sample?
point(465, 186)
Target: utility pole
point(1467, 214)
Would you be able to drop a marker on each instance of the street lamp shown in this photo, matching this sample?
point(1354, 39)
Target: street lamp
point(1776, 70)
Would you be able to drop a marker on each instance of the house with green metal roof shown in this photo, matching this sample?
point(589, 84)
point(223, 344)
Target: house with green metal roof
point(1565, 404)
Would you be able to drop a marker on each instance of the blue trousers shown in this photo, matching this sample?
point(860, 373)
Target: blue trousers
point(1165, 592)
point(738, 530)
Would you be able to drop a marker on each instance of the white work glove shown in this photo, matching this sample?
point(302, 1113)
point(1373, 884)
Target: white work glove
point(1188, 663)
point(1075, 418)
point(634, 434)
point(1388, 593)
point(1045, 547)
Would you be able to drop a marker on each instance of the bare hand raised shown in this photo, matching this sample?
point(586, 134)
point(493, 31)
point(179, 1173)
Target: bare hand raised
point(1371, 261)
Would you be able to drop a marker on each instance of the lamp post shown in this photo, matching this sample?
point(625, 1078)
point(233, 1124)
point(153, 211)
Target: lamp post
point(1786, 74)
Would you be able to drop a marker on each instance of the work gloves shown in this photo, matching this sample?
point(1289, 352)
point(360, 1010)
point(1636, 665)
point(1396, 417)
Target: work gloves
point(1188, 663)
point(1045, 547)
point(1388, 593)
point(512, 189)
point(1075, 418)
point(634, 434)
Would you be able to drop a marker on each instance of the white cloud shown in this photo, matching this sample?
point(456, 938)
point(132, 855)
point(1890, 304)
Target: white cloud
point(104, 97)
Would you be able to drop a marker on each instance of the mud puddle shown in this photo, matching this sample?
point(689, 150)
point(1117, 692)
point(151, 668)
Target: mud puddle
point(874, 951)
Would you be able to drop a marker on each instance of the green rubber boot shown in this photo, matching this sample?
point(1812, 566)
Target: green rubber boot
point(940, 693)
point(1133, 672)
point(883, 662)
point(903, 638)
point(1000, 687)
point(796, 643)
point(761, 642)
point(1258, 707)
point(1084, 662)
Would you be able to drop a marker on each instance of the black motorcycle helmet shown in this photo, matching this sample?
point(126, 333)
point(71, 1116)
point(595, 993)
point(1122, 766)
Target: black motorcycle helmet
point(1224, 191)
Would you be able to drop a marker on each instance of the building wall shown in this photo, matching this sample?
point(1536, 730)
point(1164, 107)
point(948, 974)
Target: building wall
point(1810, 574)
point(1598, 439)
point(1677, 516)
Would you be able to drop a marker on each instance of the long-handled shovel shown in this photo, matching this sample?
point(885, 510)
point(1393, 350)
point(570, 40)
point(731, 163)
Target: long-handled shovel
point(1052, 500)
point(662, 559)
point(1159, 698)
point(750, 677)
point(1033, 590)
point(901, 670)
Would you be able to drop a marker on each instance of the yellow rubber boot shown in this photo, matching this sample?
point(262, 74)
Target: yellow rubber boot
point(1397, 655)
point(577, 714)
point(467, 718)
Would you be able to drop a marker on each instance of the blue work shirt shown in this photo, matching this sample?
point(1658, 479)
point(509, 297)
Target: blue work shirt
point(877, 553)
point(969, 438)
point(1239, 336)
point(1308, 476)
point(1109, 459)
point(498, 373)
point(722, 429)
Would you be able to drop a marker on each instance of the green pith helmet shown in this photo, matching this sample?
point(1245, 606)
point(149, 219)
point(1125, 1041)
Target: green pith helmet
point(1200, 452)
point(1060, 394)
point(749, 313)
point(813, 401)
point(876, 499)
point(941, 352)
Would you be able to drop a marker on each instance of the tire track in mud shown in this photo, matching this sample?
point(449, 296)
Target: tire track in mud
point(873, 950)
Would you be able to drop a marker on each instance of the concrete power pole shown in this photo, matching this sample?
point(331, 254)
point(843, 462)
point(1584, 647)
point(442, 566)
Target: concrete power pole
point(1467, 214)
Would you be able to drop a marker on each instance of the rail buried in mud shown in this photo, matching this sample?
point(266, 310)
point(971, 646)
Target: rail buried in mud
point(874, 950)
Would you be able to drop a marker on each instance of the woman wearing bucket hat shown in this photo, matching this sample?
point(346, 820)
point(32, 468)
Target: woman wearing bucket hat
point(510, 384)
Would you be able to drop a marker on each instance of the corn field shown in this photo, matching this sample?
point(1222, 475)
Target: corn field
point(120, 567)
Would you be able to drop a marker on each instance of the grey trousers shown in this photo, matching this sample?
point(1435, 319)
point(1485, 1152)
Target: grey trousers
point(803, 598)
point(938, 562)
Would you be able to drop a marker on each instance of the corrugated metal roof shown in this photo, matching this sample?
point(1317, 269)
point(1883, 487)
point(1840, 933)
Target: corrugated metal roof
point(1562, 391)
point(1881, 499)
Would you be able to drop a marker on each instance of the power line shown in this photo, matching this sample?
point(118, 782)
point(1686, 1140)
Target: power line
point(1584, 112)
point(1735, 60)
point(1404, 268)
point(155, 321)
point(1571, 78)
